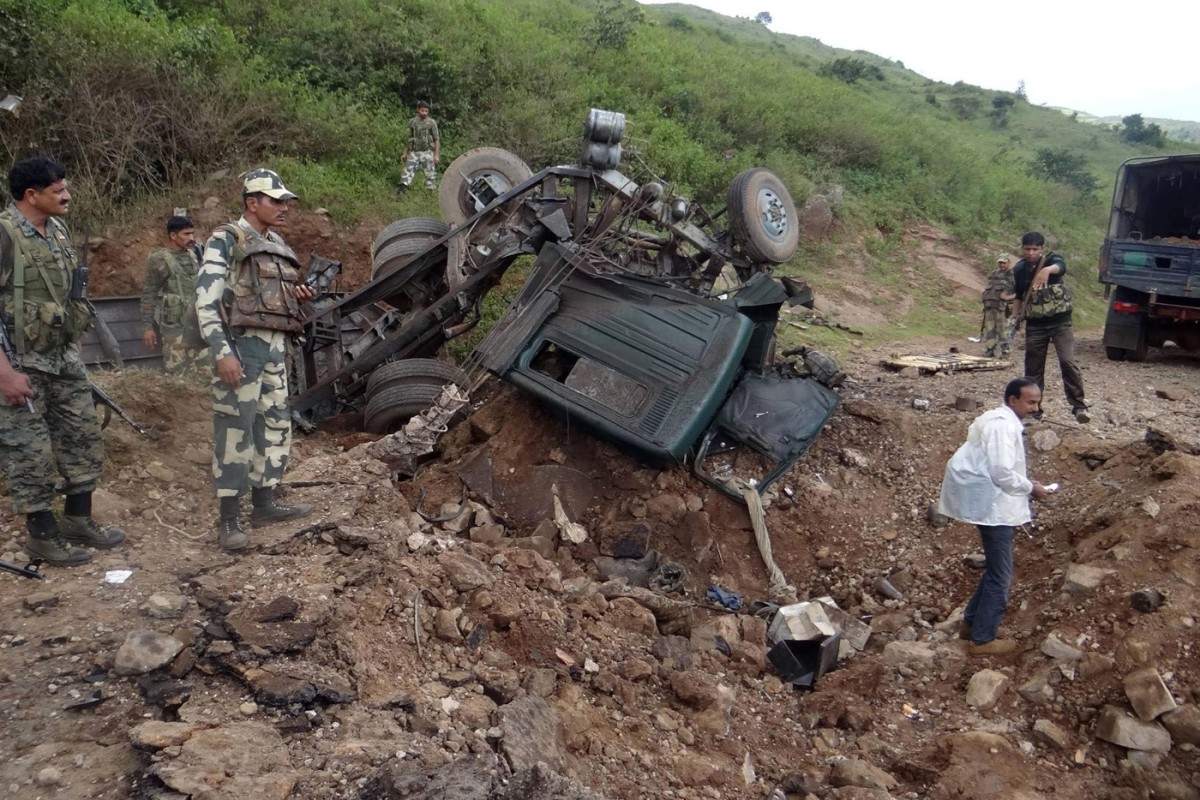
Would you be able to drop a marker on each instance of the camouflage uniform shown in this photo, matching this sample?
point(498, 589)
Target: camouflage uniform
point(423, 133)
point(995, 316)
point(170, 286)
point(61, 439)
point(252, 426)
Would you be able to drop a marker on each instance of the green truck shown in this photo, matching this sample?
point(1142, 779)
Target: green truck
point(1150, 259)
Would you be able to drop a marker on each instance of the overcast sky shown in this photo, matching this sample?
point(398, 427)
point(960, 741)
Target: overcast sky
point(1092, 57)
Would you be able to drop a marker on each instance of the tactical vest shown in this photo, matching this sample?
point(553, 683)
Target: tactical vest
point(181, 280)
point(1052, 300)
point(998, 283)
point(421, 133)
point(45, 318)
point(259, 292)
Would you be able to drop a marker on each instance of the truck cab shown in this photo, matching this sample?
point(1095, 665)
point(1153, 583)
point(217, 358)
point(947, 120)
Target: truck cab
point(1150, 259)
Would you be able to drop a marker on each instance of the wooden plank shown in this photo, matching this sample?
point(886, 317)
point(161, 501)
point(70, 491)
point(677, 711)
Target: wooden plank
point(950, 362)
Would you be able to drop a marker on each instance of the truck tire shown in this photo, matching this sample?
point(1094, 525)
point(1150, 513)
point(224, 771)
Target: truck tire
point(763, 216)
point(396, 255)
point(505, 169)
point(411, 227)
point(415, 371)
point(1115, 353)
point(392, 406)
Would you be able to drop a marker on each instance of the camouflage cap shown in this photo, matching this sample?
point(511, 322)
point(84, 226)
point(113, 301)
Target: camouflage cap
point(267, 182)
point(1004, 258)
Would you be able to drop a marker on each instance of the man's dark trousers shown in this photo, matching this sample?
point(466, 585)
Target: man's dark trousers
point(1037, 341)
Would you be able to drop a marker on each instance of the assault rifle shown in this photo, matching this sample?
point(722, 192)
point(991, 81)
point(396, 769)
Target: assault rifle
point(25, 572)
point(101, 398)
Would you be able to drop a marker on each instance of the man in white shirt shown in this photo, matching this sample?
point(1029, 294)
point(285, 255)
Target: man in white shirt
point(985, 485)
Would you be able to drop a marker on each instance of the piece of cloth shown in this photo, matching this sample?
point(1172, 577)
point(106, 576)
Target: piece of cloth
point(252, 427)
point(985, 610)
point(62, 438)
point(728, 599)
point(1023, 273)
point(1038, 339)
point(985, 481)
point(420, 160)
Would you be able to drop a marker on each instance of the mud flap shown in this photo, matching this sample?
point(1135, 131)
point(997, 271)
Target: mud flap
point(778, 418)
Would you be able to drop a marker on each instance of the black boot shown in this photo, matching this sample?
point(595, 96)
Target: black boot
point(229, 528)
point(46, 542)
point(266, 511)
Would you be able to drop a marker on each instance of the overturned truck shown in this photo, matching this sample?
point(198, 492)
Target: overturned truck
point(619, 326)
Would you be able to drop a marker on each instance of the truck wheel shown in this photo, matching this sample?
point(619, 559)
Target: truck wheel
point(763, 216)
point(1142, 350)
point(397, 254)
point(504, 170)
point(395, 405)
point(413, 372)
point(426, 228)
point(1115, 353)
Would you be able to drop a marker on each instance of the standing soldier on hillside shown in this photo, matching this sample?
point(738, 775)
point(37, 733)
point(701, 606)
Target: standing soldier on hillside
point(49, 431)
point(996, 297)
point(169, 288)
point(248, 298)
point(1044, 302)
point(423, 150)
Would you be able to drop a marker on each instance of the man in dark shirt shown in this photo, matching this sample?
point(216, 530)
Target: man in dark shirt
point(1047, 315)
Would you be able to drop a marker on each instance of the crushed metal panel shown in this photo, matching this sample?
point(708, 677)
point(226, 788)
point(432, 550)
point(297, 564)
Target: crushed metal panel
point(951, 362)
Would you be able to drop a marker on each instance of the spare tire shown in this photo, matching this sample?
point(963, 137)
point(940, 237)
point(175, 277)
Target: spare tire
point(426, 228)
point(415, 371)
point(763, 216)
point(504, 169)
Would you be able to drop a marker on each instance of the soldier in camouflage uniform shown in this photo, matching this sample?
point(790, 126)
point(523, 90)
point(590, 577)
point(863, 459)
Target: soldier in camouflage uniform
point(423, 150)
point(996, 297)
point(169, 288)
point(248, 295)
point(49, 431)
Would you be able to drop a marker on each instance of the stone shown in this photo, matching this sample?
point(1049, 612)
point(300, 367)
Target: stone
point(1059, 650)
point(492, 533)
point(1093, 665)
point(1183, 724)
point(541, 682)
point(145, 651)
point(1121, 728)
point(279, 691)
point(710, 636)
point(49, 776)
point(920, 404)
point(1037, 689)
point(416, 540)
point(38, 600)
point(1048, 734)
point(166, 606)
point(1045, 440)
point(675, 652)
point(532, 732)
point(985, 689)
point(667, 508)
point(634, 669)
point(242, 761)
point(475, 711)
point(278, 610)
point(975, 560)
point(635, 571)
point(1081, 579)
point(815, 217)
point(1148, 694)
point(248, 709)
point(464, 572)
point(274, 637)
point(853, 458)
point(445, 624)
point(914, 655)
point(629, 615)
point(890, 621)
point(1151, 507)
point(696, 689)
point(856, 772)
point(156, 735)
